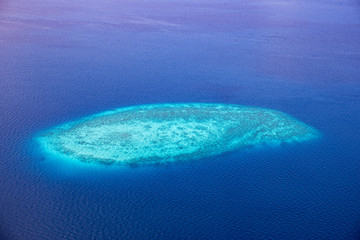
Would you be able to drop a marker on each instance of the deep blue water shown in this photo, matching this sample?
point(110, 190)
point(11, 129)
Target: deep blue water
point(63, 60)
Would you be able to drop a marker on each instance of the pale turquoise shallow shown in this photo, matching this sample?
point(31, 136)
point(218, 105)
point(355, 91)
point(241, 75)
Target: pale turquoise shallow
point(160, 133)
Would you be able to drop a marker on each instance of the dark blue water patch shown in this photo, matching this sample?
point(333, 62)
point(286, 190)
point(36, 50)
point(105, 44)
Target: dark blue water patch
point(61, 61)
point(256, 193)
point(204, 196)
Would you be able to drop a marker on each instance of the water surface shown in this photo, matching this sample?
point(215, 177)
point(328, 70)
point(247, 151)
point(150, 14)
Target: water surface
point(65, 60)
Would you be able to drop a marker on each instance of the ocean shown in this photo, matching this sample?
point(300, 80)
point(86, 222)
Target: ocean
point(63, 60)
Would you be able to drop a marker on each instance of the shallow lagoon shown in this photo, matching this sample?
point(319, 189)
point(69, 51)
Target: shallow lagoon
point(62, 61)
point(161, 133)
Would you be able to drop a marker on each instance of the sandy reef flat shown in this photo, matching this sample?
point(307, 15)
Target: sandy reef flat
point(161, 133)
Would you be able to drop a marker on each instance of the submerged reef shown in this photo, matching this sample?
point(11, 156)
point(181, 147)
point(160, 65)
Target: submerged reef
point(151, 134)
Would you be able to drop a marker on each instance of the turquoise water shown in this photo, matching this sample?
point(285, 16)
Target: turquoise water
point(62, 61)
point(161, 133)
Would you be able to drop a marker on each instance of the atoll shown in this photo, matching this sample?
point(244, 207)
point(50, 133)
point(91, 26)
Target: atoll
point(158, 133)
